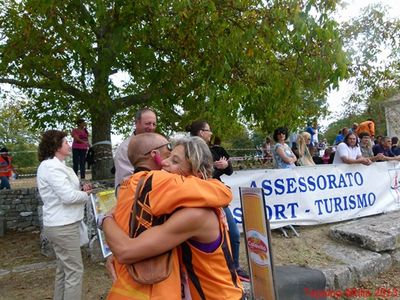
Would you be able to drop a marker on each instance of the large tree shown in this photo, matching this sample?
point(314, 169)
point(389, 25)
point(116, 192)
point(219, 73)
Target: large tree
point(262, 63)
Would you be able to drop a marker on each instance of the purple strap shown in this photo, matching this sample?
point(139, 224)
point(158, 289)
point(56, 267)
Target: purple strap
point(207, 247)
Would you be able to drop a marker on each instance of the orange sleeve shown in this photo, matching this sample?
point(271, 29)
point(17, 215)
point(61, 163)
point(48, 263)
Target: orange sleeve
point(172, 191)
point(125, 288)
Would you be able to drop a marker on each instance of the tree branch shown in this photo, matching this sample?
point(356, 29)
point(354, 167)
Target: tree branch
point(50, 85)
point(87, 15)
point(130, 100)
point(61, 30)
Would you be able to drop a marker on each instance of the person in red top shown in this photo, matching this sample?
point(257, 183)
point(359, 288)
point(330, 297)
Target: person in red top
point(6, 169)
point(80, 145)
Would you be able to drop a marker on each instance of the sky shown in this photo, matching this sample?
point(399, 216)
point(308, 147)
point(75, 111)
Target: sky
point(336, 98)
point(352, 8)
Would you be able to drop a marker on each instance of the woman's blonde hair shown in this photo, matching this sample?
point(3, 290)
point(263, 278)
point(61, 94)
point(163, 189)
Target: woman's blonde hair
point(198, 155)
point(304, 153)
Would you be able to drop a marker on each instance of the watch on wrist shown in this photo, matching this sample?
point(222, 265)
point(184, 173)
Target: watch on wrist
point(101, 218)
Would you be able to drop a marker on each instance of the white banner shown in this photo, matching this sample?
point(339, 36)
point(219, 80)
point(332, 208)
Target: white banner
point(320, 194)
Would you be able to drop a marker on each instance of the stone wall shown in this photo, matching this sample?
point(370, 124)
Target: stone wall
point(19, 209)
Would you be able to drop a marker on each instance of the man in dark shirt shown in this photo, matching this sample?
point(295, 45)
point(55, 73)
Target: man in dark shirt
point(385, 147)
point(395, 148)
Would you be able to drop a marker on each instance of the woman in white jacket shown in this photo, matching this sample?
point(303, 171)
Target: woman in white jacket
point(63, 208)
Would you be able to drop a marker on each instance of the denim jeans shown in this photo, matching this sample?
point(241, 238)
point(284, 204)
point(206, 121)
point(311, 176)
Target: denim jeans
point(5, 183)
point(234, 236)
point(79, 161)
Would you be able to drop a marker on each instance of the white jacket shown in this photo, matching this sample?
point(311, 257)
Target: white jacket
point(63, 201)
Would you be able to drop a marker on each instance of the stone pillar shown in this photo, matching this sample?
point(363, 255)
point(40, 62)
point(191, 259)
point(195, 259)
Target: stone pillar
point(2, 224)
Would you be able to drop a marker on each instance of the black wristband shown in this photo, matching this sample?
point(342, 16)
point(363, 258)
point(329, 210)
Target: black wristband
point(101, 219)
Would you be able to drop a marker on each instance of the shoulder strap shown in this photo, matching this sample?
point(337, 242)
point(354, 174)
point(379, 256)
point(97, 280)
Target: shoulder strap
point(133, 223)
point(142, 217)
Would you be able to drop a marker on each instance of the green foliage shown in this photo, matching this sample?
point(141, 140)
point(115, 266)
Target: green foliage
point(258, 138)
point(18, 136)
point(245, 144)
point(252, 62)
point(373, 42)
point(14, 127)
point(334, 128)
point(25, 159)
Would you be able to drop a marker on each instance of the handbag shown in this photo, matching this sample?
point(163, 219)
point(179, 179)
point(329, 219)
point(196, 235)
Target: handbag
point(153, 269)
point(83, 234)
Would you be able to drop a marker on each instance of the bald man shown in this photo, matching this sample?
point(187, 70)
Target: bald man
point(164, 192)
point(145, 121)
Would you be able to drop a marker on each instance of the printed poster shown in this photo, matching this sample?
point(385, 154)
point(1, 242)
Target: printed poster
point(102, 202)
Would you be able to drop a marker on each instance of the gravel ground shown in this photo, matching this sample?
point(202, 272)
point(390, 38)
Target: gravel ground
point(18, 249)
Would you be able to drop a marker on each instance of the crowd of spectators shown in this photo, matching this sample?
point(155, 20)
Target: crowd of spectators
point(355, 145)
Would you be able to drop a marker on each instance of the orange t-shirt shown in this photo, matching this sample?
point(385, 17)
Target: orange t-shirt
point(212, 276)
point(366, 126)
point(166, 192)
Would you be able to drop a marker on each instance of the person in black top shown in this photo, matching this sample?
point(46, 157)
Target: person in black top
point(222, 166)
point(219, 156)
point(395, 147)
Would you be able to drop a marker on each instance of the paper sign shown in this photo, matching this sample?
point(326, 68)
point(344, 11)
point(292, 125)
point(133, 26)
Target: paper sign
point(102, 202)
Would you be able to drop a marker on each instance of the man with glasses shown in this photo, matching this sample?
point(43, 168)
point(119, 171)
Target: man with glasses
point(164, 193)
point(145, 121)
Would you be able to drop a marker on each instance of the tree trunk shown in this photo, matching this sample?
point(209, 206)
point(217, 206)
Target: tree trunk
point(101, 141)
